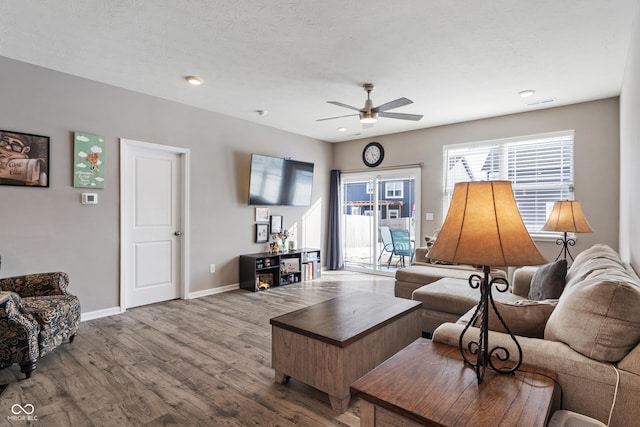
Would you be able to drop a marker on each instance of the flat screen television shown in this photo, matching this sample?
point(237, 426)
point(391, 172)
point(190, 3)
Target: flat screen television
point(275, 181)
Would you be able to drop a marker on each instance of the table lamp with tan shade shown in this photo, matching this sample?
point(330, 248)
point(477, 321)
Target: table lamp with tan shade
point(483, 227)
point(567, 216)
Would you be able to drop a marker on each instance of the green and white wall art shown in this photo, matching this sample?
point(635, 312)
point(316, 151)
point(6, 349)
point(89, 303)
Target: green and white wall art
point(88, 160)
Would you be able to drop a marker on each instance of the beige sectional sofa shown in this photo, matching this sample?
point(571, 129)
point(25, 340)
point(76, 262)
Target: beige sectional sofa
point(589, 336)
point(443, 289)
point(421, 273)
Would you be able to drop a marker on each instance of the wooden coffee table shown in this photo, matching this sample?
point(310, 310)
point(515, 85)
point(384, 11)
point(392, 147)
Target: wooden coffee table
point(428, 384)
point(331, 344)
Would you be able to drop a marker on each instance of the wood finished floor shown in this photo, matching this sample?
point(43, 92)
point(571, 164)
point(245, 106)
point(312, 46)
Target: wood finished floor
point(202, 362)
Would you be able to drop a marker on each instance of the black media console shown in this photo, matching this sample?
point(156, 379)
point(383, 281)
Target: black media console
point(266, 270)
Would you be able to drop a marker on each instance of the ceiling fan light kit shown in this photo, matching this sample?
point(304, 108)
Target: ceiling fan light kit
point(369, 114)
point(368, 117)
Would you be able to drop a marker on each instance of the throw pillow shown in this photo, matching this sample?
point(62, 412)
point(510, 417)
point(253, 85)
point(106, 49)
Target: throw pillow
point(525, 318)
point(548, 281)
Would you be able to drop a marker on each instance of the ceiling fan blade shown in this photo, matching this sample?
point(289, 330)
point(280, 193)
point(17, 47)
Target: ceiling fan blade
point(336, 117)
point(400, 102)
point(340, 104)
point(401, 116)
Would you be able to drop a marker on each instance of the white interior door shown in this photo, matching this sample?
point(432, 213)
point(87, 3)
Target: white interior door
point(153, 224)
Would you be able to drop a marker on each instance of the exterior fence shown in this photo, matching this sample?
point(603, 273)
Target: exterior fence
point(357, 236)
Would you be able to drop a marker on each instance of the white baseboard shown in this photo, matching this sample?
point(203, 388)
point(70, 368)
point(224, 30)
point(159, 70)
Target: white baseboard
point(213, 291)
point(99, 313)
point(116, 310)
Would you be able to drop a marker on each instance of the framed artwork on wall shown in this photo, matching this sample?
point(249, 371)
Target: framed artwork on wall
point(24, 159)
point(88, 160)
point(262, 214)
point(276, 224)
point(262, 233)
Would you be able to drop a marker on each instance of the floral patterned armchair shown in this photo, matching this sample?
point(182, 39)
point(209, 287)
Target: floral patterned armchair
point(37, 314)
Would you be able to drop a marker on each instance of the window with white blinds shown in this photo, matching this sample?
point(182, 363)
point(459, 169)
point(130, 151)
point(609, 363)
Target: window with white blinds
point(540, 168)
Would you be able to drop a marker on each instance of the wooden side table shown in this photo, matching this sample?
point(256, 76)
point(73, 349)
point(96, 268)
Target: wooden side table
point(427, 383)
point(331, 344)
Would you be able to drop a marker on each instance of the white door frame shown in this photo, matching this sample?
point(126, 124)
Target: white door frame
point(126, 145)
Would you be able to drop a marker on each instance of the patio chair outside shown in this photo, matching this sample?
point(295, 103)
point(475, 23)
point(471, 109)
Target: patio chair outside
point(387, 243)
point(401, 246)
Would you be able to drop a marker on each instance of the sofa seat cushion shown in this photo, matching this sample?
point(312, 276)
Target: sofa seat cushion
point(598, 317)
point(58, 317)
point(430, 273)
point(454, 296)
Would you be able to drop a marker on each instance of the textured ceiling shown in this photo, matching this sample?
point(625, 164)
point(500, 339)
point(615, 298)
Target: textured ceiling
point(457, 60)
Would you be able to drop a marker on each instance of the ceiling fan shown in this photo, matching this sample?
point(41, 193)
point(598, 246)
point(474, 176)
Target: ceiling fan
point(369, 114)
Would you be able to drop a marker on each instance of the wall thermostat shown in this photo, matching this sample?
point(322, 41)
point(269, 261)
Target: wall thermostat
point(89, 198)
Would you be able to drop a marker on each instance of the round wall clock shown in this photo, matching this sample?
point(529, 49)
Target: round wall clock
point(373, 154)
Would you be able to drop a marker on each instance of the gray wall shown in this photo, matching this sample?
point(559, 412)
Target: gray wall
point(48, 229)
point(630, 152)
point(596, 126)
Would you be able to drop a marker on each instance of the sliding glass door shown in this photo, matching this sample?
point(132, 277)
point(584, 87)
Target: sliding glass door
point(375, 206)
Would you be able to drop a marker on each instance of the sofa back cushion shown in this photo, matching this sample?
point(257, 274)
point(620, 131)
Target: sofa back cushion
point(599, 257)
point(598, 317)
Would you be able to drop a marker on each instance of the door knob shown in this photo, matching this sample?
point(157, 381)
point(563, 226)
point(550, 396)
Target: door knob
point(178, 233)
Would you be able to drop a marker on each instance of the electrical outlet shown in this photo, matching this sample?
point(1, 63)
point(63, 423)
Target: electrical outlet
point(429, 216)
point(212, 268)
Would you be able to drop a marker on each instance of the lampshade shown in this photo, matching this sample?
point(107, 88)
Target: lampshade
point(484, 227)
point(567, 216)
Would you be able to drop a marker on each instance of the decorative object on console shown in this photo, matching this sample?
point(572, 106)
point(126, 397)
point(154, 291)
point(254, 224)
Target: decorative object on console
point(283, 236)
point(484, 227)
point(274, 248)
point(567, 216)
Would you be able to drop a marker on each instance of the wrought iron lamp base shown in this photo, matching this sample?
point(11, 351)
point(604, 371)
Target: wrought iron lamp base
point(565, 243)
point(480, 348)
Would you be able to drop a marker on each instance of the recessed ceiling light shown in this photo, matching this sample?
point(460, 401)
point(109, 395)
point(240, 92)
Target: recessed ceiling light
point(342, 129)
point(196, 81)
point(526, 93)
